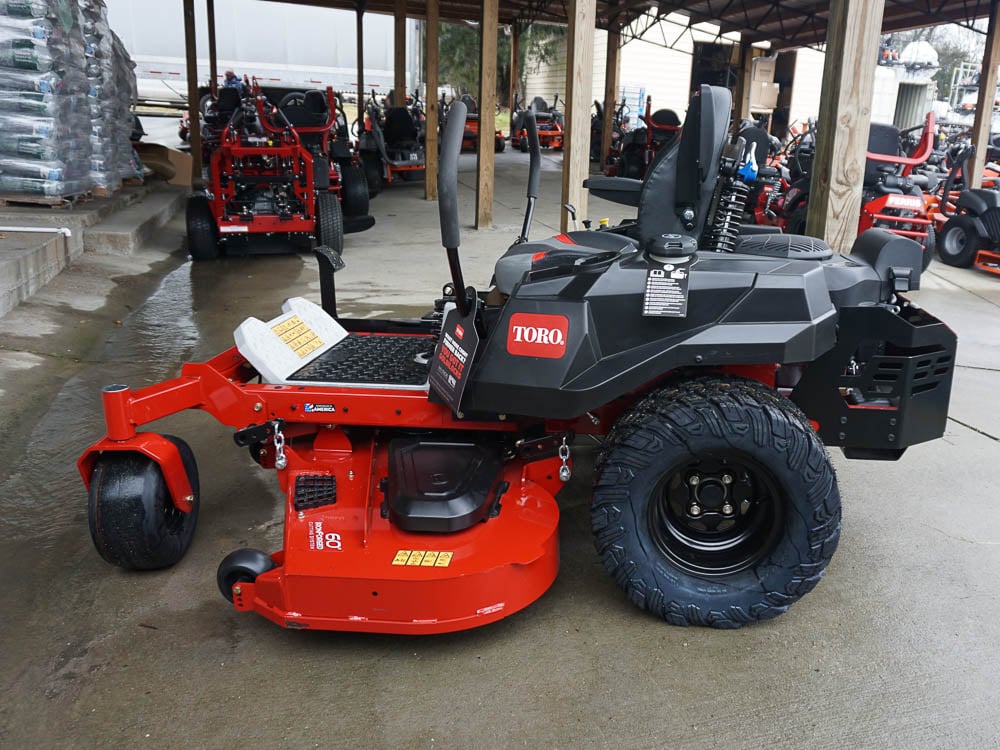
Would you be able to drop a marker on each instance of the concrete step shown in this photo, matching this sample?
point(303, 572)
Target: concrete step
point(28, 261)
point(124, 231)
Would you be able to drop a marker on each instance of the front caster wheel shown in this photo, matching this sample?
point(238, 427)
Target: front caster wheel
point(133, 522)
point(715, 503)
point(241, 566)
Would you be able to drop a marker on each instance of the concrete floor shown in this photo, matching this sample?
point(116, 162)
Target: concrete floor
point(896, 648)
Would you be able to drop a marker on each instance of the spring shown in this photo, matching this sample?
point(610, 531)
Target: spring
point(728, 215)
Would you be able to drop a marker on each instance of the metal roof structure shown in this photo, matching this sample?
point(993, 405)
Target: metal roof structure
point(783, 23)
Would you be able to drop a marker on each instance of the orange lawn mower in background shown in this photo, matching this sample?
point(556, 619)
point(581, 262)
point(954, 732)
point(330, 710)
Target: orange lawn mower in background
point(470, 138)
point(548, 121)
point(969, 220)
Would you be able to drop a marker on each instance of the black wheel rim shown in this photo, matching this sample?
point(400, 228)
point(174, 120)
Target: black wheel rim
point(716, 515)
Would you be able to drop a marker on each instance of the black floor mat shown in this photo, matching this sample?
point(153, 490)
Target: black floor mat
point(371, 360)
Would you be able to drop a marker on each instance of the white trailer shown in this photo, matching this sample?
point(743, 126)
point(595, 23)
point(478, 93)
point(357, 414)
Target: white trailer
point(282, 45)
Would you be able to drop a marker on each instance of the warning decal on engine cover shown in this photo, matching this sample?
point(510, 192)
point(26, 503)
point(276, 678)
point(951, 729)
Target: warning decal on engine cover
point(666, 293)
point(423, 558)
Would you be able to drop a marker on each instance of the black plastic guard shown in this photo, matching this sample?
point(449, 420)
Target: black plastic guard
point(885, 385)
point(442, 486)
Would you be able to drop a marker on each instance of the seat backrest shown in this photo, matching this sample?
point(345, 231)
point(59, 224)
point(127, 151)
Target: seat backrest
point(470, 103)
point(683, 175)
point(665, 118)
point(399, 126)
point(882, 139)
point(315, 101)
point(228, 102)
point(539, 105)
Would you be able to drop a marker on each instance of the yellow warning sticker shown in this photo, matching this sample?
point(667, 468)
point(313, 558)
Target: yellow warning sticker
point(422, 558)
point(401, 557)
point(297, 336)
point(416, 557)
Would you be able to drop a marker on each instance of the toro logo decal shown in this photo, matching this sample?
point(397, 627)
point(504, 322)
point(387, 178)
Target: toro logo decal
point(537, 335)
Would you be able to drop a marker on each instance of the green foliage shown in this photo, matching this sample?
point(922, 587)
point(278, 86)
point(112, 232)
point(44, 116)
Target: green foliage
point(459, 56)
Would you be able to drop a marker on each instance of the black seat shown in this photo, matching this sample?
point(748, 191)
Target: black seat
point(226, 104)
point(681, 175)
point(315, 101)
point(883, 140)
point(399, 126)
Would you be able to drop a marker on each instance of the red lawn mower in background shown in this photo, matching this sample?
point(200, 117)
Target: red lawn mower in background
point(274, 174)
point(391, 143)
point(892, 193)
point(470, 138)
point(968, 219)
point(636, 150)
point(548, 121)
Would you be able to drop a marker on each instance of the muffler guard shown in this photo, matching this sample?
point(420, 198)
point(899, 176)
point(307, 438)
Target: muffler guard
point(885, 385)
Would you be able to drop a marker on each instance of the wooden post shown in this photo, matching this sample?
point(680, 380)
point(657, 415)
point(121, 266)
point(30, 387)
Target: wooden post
point(360, 30)
point(844, 120)
point(431, 102)
point(194, 123)
point(515, 48)
point(610, 89)
point(984, 102)
point(741, 96)
point(579, 81)
point(488, 21)
point(399, 55)
point(213, 63)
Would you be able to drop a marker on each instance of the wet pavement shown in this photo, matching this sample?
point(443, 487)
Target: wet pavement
point(896, 647)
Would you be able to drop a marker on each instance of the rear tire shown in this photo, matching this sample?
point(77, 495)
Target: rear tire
point(499, 144)
point(133, 521)
point(797, 220)
point(959, 242)
point(523, 144)
point(715, 503)
point(930, 242)
point(329, 222)
point(354, 193)
point(373, 173)
point(202, 232)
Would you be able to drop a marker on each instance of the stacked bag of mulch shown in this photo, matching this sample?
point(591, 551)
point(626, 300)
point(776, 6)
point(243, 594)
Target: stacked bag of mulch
point(110, 119)
point(45, 144)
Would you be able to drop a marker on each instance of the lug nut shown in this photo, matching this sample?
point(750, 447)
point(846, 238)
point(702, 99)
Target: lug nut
point(695, 510)
point(694, 480)
point(727, 479)
point(727, 509)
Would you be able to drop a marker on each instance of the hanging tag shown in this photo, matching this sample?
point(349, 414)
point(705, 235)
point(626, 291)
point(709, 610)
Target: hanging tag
point(449, 373)
point(666, 293)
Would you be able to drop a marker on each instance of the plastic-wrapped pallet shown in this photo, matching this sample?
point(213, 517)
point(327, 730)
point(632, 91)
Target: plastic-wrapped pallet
point(45, 147)
point(125, 95)
point(106, 111)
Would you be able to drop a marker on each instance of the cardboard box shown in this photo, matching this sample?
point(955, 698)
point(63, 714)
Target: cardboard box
point(763, 69)
point(172, 165)
point(764, 95)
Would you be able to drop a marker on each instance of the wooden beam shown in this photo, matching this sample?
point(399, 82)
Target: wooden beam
point(984, 102)
point(194, 120)
point(360, 32)
point(399, 55)
point(431, 101)
point(515, 47)
point(844, 120)
point(741, 96)
point(579, 83)
point(213, 63)
point(488, 21)
point(611, 67)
